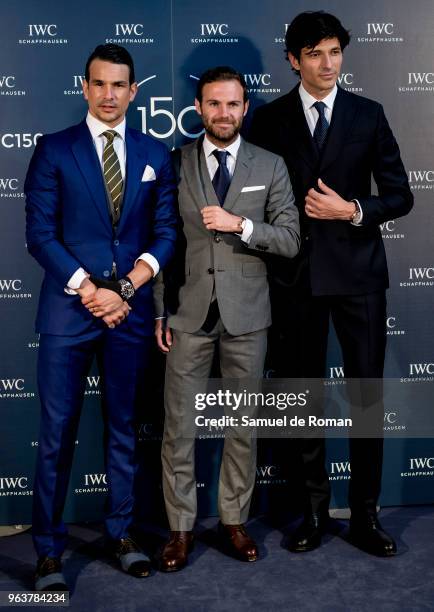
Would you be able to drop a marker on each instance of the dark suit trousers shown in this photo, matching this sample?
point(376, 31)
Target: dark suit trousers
point(63, 364)
point(302, 322)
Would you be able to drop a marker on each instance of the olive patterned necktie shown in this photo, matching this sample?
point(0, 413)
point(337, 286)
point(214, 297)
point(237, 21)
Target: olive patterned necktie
point(112, 174)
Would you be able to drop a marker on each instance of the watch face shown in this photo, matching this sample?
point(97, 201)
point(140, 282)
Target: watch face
point(127, 289)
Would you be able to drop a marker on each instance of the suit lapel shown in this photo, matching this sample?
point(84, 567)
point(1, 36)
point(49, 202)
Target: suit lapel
point(192, 157)
point(342, 121)
point(87, 160)
point(297, 129)
point(137, 157)
point(241, 174)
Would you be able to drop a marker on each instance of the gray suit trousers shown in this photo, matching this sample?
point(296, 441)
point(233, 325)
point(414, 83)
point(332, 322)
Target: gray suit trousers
point(190, 358)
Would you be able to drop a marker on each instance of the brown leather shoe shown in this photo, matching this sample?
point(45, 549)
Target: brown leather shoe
point(174, 555)
point(238, 541)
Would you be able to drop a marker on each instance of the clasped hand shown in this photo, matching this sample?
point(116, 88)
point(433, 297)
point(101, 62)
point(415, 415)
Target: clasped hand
point(220, 220)
point(104, 303)
point(327, 204)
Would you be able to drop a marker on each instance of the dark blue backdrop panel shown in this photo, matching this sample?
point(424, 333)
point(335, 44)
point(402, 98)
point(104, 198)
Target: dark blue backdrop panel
point(44, 47)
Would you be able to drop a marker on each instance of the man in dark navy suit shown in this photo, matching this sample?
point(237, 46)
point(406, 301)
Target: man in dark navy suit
point(101, 222)
point(333, 143)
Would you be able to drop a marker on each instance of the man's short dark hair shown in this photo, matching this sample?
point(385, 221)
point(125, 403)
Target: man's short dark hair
point(221, 73)
point(114, 54)
point(309, 28)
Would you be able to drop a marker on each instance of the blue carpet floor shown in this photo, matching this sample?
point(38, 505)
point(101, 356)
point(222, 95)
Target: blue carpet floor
point(336, 577)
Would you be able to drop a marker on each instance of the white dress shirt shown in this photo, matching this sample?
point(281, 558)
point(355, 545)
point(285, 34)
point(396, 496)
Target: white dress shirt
point(312, 115)
point(231, 160)
point(96, 128)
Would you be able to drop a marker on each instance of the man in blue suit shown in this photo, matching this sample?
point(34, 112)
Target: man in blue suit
point(101, 222)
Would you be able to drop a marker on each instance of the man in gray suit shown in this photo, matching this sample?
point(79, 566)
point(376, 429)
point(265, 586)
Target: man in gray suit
point(236, 205)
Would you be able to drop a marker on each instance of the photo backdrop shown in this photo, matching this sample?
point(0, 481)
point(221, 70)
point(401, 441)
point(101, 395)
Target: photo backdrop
point(44, 46)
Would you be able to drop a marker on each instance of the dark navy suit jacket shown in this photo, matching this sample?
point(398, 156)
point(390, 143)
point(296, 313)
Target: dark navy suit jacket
point(337, 258)
point(68, 223)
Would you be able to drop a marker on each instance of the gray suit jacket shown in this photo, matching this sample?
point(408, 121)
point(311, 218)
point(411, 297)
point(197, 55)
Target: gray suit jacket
point(219, 265)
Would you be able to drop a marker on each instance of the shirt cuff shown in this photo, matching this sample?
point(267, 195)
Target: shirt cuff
point(247, 231)
point(151, 261)
point(75, 281)
point(360, 219)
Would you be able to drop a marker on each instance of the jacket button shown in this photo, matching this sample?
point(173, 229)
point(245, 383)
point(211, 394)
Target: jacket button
point(116, 242)
point(106, 273)
point(210, 270)
point(217, 239)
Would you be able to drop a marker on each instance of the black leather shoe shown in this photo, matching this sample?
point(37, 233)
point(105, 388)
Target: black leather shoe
point(49, 575)
point(133, 561)
point(308, 535)
point(368, 535)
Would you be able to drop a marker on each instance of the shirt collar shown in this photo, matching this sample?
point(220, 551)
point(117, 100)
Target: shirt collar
point(209, 147)
point(308, 101)
point(97, 127)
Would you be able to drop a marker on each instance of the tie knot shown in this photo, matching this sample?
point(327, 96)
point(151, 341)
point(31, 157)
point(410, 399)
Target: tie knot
point(320, 106)
point(221, 156)
point(110, 135)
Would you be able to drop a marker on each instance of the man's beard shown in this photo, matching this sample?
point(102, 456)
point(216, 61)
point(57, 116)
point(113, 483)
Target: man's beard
point(222, 135)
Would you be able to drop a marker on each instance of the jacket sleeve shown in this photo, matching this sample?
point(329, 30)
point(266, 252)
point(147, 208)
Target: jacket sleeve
point(279, 233)
point(394, 197)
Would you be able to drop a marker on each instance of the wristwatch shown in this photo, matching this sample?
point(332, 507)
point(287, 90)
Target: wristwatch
point(356, 217)
point(241, 225)
point(123, 287)
point(126, 288)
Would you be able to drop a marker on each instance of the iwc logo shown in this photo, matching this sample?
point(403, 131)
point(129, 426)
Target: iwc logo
point(419, 467)
point(213, 33)
point(419, 277)
point(14, 388)
point(421, 180)
point(380, 33)
point(42, 34)
point(92, 483)
point(340, 470)
point(129, 33)
point(12, 289)
point(14, 485)
point(8, 86)
point(418, 82)
point(10, 188)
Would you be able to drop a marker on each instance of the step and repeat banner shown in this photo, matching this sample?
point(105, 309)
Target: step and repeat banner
point(44, 46)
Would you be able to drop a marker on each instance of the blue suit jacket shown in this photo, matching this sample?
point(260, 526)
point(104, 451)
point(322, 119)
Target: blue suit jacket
point(68, 223)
